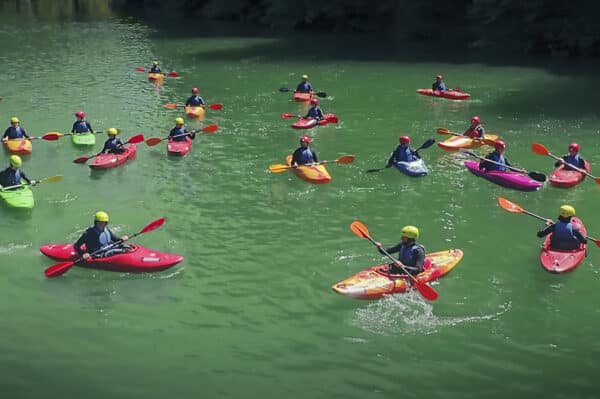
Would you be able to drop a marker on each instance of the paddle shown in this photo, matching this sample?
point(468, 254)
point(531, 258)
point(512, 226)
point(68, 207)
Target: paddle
point(426, 144)
point(172, 74)
point(278, 168)
point(485, 141)
point(73, 134)
point(52, 179)
point(541, 150)
point(215, 107)
point(321, 94)
point(537, 176)
point(426, 291)
point(514, 208)
point(152, 141)
point(134, 140)
point(60, 268)
point(50, 136)
point(329, 119)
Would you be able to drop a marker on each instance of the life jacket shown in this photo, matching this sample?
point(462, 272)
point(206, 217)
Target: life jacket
point(438, 86)
point(404, 154)
point(11, 177)
point(572, 159)
point(178, 132)
point(103, 238)
point(155, 69)
point(113, 145)
point(475, 133)
point(563, 237)
point(304, 87)
point(15, 132)
point(315, 112)
point(81, 127)
point(407, 254)
point(306, 156)
point(497, 157)
point(195, 101)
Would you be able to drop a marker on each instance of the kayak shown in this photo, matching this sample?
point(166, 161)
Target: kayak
point(84, 139)
point(19, 198)
point(317, 174)
point(156, 77)
point(515, 180)
point(307, 123)
point(139, 260)
point(375, 282)
point(415, 168)
point(194, 112)
point(455, 143)
point(180, 148)
point(18, 146)
point(567, 178)
point(561, 261)
point(303, 96)
point(105, 161)
point(449, 94)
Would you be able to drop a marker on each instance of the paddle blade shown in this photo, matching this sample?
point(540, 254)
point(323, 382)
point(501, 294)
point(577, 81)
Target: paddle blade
point(153, 226)
point(52, 179)
point(537, 176)
point(359, 229)
point(136, 139)
point(427, 144)
point(509, 206)
point(152, 141)
point(345, 159)
point(278, 168)
point(140, 69)
point(442, 130)
point(210, 128)
point(284, 89)
point(333, 119)
point(539, 149)
point(170, 106)
point(216, 107)
point(52, 136)
point(58, 269)
point(595, 240)
point(426, 291)
point(374, 170)
point(321, 94)
point(287, 116)
point(81, 160)
point(173, 74)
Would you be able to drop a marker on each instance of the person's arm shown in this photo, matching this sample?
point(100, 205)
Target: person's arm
point(481, 131)
point(201, 101)
point(507, 162)
point(89, 127)
point(315, 158)
point(299, 87)
point(115, 237)
point(80, 242)
point(419, 255)
point(192, 134)
point(581, 163)
point(187, 102)
point(390, 250)
point(73, 128)
point(105, 148)
point(296, 158)
point(5, 135)
point(319, 113)
point(25, 133)
point(27, 180)
point(546, 229)
point(580, 237)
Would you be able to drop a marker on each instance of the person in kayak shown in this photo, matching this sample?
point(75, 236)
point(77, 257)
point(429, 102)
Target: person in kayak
point(13, 175)
point(304, 86)
point(496, 156)
point(314, 112)
point(178, 133)
point(572, 158)
point(97, 237)
point(195, 100)
point(81, 125)
point(439, 85)
point(403, 152)
point(113, 145)
point(155, 68)
point(15, 131)
point(411, 255)
point(565, 236)
point(476, 130)
point(303, 154)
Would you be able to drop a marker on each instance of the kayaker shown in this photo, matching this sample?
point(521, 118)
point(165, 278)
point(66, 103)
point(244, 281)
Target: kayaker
point(314, 112)
point(411, 254)
point(572, 158)
point(195, 100)
point(476, 130)
point(303, 154)
point(113, 145)
point(304, 86)
point(15, 131)
point(496, 156)
point(178, 133)
point(98, 236)
point(439, 85)
point(403, 152)
point(13, 175)
point(81, 125)
point(155, 68)
point(565, 236)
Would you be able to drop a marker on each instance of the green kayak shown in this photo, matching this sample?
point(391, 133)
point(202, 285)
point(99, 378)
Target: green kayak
point(84, 139)
point(19, 198)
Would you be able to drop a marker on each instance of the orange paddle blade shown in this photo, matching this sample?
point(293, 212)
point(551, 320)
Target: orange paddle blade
point(216, 107)
point(152, 141)
point(509, 206)
point(359, 229)
point(345, 159)
point(210, 128)
point(539, 149)
point(443, 130)
point(278, 168)
point(170, 106)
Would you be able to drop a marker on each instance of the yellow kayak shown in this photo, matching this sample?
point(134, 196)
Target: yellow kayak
point(194, 112)
point(317, 174)
point(455, 143)
point(18, 146)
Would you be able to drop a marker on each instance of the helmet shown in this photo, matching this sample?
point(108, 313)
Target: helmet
point(410, 232)
point(500, 145)
point(404, 139)
point(195, 90)
point(101, 216)
point(475, 119)
point(314, 101)
point(305, 76)
point(179, 121)
point(574, 146)
point(566, 211)
point(14, 119)
point(80, 114)
point(440, 77)
point(111, 131)
point(15, 161)
point(155, 63)
point(305, 139)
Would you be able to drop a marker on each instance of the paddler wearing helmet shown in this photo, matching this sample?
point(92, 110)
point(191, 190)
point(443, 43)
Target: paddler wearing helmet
point(155, 68)
point(178, 133)
point(195, 100)
point(496, 156)
point(81, 125)
point(304, 154)
point(565, 235)
point(314, 112)
point(403, 152)
point(15, 131)
point(112, 145)
point(97, 237)
point(410, 253)
point(572, 158)
point(439, 85)
point(13, 175)
point(304, 86)
point(475, 130)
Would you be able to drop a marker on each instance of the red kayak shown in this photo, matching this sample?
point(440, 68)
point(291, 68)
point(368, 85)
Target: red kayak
point(139, 260)
point(567, 178)
point(105, 161)
point(179, 148)
point(303, 96)
point(561, 261)
point(307, 123)
point(449, 94)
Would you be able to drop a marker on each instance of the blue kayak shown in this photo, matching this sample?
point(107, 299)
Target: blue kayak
point(415, 168)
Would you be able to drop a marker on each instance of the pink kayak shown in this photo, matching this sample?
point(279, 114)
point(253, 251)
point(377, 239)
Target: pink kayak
point(560, 261)
point(518, 181)
point(449, 94)
point(567, 178)
point(105, 161)
point(303, 96)
point(180, 148)
point(139, 260)
point(307, 123)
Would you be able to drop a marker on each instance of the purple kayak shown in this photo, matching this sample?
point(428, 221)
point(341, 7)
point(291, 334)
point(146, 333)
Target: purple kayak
point(518, 181)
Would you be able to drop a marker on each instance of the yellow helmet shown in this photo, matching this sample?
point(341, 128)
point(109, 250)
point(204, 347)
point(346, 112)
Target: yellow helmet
point(101, 216)
point(566, 211)
point(179, 121)
point(410, 232)
point(15, 161)
point(155, 63)
point(304, 76)
point(14, 119)
point(111, 131)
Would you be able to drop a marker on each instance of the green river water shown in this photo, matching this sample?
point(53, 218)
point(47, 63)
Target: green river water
point(250, 312)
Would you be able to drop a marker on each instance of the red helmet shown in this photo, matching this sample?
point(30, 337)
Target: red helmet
point(80, 114)
point(314, 101)
point(404, 139)
point(475, 119)
point(440, 77)
point(305, 139)
point(499, 145)
point(574, 146)
point(195, 90)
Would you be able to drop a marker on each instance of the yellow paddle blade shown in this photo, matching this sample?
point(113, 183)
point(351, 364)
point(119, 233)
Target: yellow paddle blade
point(278, 168)
point(345, 159)
point(52, 179)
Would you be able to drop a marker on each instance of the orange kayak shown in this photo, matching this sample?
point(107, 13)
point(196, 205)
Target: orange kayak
point(18, 146)
point(195, 112)
point(317, 174)
point(156, 77)
point(455, 143)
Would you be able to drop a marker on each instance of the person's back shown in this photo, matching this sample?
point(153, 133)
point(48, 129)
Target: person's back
point(81, 125)
point(565, 236)
point(195, 100)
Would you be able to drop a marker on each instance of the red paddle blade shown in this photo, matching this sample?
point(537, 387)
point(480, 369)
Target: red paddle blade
point(140, 69)
point(539, 149)
point(216, 107)
point(210, 128)
point(359, 229)
point(173, 74)
point(597, 179)
point(346, 159)
point(426, 291)
point(170, 106)
point(136, 139)
point(333, 119)
point(51, 137)
point(58, 269)
point(81, 160)
point(509, 206)
point(595, 240)
point(153, 141)
point(152, 226)
point(286, 116)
